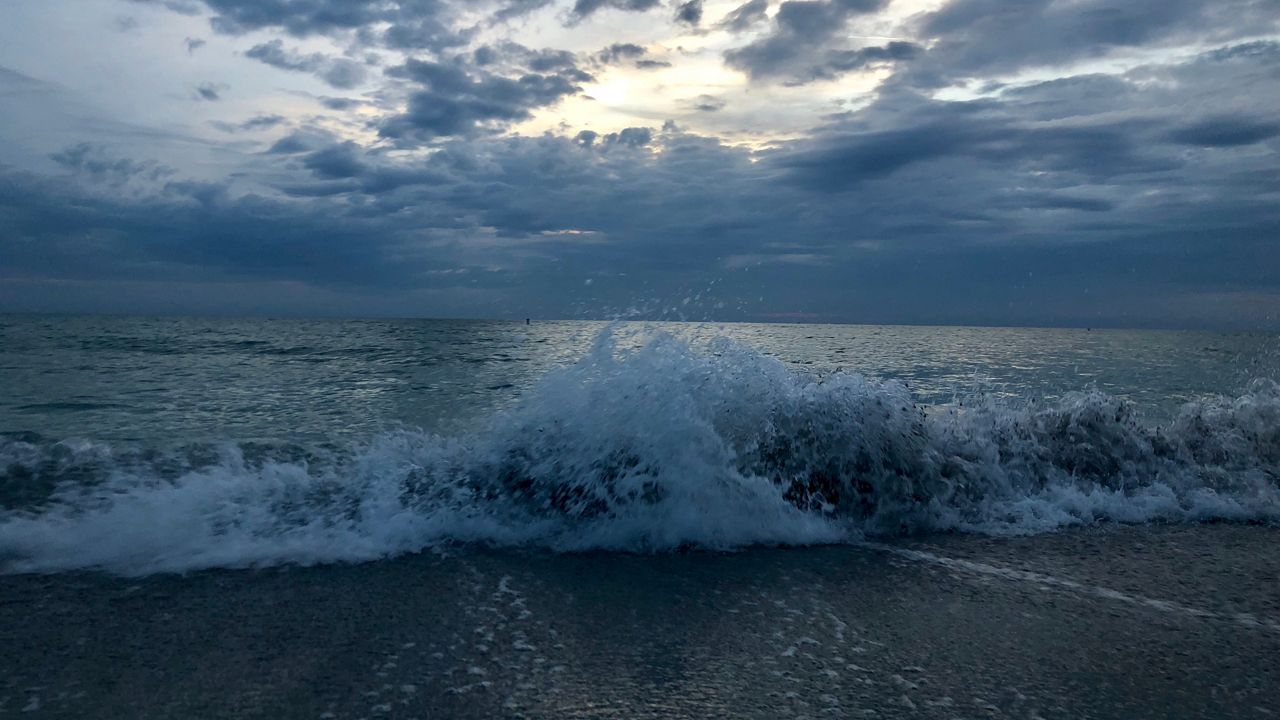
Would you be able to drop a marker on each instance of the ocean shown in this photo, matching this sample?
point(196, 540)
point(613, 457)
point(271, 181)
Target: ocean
point(429, 518)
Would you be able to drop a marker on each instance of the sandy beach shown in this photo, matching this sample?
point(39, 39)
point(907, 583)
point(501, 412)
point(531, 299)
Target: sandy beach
point(1139, 622)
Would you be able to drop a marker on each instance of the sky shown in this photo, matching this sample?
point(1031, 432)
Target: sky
point(987, 162)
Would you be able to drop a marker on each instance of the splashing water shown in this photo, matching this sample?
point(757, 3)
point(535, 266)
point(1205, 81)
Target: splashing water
point(649, 446)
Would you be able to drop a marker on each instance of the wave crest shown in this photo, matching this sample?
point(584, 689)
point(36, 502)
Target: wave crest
point(649, 446)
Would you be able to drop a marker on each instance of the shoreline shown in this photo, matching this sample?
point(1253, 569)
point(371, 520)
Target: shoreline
point(1128, 621)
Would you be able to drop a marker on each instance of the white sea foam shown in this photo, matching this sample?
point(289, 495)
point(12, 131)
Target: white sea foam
point(651, 446)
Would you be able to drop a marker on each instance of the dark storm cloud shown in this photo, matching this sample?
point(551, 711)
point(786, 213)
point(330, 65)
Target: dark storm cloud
point(805, 32)
point(457, 100)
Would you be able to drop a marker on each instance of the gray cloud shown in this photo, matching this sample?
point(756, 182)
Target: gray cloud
point(182, 7)
point(1225, 131)
point(340, 103)
point(624, 53)
point(341, 73)
point(456, 100)
point(336, 161)
point(634, 137)
point(583, 8)
point(262, 122)
point(513, 9)
point(210, 91)
point(402, 24)
point(273, 53)
point(619, 52)
point(805, 42)
point(606, 201)
point(253, 124)
point(745, 16)
point(514, 57)
point(310, 17)
point(705, 103)
point(1141, 196)
point(92, 161)
point(985, 36)
point(689, 13)
point(300, 141)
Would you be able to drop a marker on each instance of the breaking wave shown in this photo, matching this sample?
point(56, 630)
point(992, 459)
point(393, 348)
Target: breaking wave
point(648, 447)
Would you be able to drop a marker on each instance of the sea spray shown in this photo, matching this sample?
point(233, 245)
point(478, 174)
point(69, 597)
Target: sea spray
point(647, 444)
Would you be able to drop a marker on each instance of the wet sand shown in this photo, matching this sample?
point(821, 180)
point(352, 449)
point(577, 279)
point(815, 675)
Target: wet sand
point(1139, 622)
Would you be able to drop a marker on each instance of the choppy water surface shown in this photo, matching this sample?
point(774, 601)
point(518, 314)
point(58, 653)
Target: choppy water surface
point(139, 445)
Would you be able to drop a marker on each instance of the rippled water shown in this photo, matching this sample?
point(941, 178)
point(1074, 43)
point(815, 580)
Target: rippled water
point(182, 379)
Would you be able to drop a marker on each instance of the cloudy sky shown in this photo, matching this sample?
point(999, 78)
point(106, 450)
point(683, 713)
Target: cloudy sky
point(1049, 162)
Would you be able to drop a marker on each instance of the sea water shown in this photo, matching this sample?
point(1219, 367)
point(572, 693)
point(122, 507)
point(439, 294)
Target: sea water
point(145, 445)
